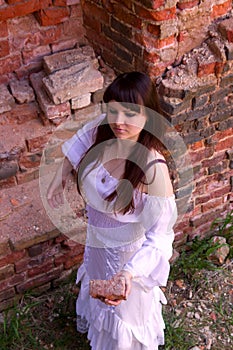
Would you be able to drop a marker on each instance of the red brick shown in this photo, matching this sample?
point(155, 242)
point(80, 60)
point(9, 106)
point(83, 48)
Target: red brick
point(37, 143)
point(202, 199)
point(3, 29)
point(225, 144)
point(10, 64)
point(74, 28)
point(92, 22)
point(211, 205)
point(156, 70)
point(150, 57)
point(47, 266)
point(221, 192)
point(76, 11)
point(197, 145)
point(157, 3)
point(11, 2)
point(222, 134)
point(22, 113)
point(49, 35)
point(73, 261)
point(11, 258)
point(26, 176)
point(64, 45)
point(10, 182)
point(205, 69)
point(30, 160)
point(52, 15)
point(96, 11)
point(127, 17)
point(149, 41)
point(153, 29)
point(39, 280)
point(187, 4)
point(221, 9)
point(60, 2)
point(35, 54)
point(7, 294)
point(226, 29)
point(162, 15)
point(23, 8)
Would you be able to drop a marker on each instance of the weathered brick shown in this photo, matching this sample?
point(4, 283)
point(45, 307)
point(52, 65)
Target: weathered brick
point(227, 80)
point(156, 15)
point(46, 267)
point(26, 176)
point(30, 160)
point(52, 15)
point(3, 29)
point(22, 91)
point(7, 294)
point(10, 182)
point(35, 54)
point(121, 28)
point(20, 114)
point(10, 63)
point(39, 280)
point(65, 59)
point(4, 48)
point(122, 14)
point(221, 9)
point(96, 11)
point(153, 4)
point(8, 169)
point(50, 110)
point(6, 99)
point(23, 8)
point(72, 82)
point(6, 271)
point(187, 4)
point(174, 105)
point(224, 144)
point(12, 257)
point(35, 250)
point(229, 51)
point(64, 45)
point(118, 38)
point(80, 102)
point(92, 22)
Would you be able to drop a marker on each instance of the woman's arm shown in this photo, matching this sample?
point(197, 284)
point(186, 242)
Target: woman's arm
point(55, 193)
point(73, 149)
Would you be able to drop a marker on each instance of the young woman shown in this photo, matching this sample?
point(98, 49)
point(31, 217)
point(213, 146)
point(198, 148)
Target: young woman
point(131, 210)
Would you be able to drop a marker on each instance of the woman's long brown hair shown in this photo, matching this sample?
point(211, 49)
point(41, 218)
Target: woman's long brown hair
point(138, 89)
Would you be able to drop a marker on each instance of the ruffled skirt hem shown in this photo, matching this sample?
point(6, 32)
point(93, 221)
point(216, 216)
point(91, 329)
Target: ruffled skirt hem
point(114, 327)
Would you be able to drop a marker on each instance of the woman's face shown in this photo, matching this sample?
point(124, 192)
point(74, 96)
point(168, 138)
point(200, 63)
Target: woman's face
point(126, 120)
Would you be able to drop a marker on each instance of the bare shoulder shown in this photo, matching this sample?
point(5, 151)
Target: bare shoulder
point(158, 178)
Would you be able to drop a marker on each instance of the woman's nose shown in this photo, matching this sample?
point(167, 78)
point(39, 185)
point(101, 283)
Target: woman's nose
point(119, 118)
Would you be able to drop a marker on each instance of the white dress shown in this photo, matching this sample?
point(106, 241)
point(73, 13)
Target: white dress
point(140, 242)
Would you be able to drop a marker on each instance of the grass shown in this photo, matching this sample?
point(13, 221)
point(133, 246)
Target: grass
point(199, 310)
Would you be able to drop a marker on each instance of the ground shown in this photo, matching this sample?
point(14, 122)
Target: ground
point(199, 313)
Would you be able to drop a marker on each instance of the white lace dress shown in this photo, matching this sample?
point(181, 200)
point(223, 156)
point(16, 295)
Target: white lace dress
point(140, 243)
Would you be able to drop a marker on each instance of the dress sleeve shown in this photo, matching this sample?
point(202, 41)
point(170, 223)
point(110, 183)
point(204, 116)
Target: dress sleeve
point(150, 266)
point(75, 147)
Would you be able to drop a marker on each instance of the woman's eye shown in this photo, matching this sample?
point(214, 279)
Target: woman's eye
point(112, 111)
point(130, 114)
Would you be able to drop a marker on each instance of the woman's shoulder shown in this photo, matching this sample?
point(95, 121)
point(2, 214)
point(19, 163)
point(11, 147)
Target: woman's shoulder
point(157, 175)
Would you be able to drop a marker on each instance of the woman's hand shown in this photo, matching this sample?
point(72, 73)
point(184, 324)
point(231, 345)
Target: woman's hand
point(127, 278)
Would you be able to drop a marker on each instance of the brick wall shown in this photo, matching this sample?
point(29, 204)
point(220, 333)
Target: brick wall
point(196, 97)
point(149, 35)
point(31, 29)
